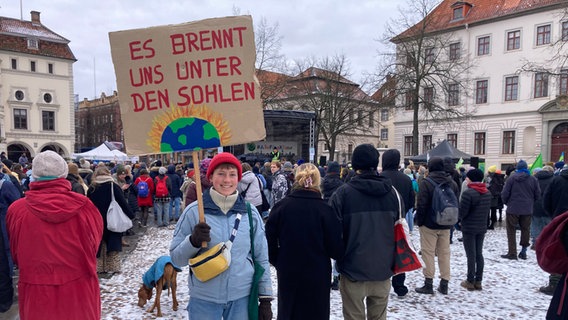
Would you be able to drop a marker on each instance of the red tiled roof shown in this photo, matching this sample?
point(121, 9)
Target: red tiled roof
point(314, 72)
point(14, 34)
point(482, 11)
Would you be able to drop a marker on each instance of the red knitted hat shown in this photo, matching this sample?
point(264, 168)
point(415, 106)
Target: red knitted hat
point(224, 157)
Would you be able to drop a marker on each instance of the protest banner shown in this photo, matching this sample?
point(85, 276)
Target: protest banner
point(188, 86)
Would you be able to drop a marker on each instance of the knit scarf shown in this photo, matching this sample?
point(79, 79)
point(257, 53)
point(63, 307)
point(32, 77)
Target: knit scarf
point(225, 203)
point(103, 179)
point(478, 186)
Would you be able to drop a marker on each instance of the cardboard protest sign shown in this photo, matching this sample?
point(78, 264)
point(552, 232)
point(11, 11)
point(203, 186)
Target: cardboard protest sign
point(189, 86)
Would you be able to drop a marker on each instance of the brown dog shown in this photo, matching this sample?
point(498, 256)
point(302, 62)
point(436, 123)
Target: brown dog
point(167, 281)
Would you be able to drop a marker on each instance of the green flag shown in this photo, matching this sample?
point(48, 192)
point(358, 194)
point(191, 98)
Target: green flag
point(537, 162)
point(459, 164)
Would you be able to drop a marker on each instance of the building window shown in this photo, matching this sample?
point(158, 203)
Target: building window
point(408, 103)
point(541, 85)
point(33, 44)
point(21, 119)
point(408, 145)
point(455, 51)
point(481, 91)
point(32, 66)
point(453, 94)
point(453, 139)
point(14, 64)
point(563, 82)
point(483, 45)
point(429, 55)
point(384, 114)
point(371, 119)
point(410, 59)
point(360, 118)
point(48, 120)
point(458, 13)
point(514, 40)
point(50, 68)
point(426, 143)
point(349, 151)
point(429, 95)
point(479, 143)
point(325, 146)
point(543, 35)
point(508, 142)
point(384, 134)
point(565, 31)
point(511, 88)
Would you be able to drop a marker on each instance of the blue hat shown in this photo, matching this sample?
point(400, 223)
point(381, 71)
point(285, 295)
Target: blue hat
point(559, 165)
point(522, 164)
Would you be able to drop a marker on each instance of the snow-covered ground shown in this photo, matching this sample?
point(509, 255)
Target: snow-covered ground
point(510, 288)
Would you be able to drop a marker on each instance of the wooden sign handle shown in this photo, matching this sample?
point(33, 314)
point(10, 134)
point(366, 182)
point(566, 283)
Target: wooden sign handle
point(199, 191)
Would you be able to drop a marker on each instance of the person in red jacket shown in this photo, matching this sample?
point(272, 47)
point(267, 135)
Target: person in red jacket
point(54, 236)
point(145, 203)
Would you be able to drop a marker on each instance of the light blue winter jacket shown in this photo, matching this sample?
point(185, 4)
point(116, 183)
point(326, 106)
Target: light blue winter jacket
point(235, 282)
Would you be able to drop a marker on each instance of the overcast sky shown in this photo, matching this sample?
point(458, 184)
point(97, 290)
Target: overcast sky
point(315, 28)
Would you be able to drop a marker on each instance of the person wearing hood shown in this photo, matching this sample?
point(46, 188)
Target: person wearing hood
point(474, 205)
point(520, 192)
point(434, 238)
point(368, 207)
point(331, 180)
point(403, 184)
point(175, 194)
point(249, 187)
point(555, 200)
point(54, 237)
point(495, 181)
point(77, 183)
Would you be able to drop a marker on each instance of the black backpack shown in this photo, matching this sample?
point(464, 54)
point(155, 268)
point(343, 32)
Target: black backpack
point(445, 208)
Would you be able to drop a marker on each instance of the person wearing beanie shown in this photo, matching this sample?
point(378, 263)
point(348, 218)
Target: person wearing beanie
point(59, 230)
point(176, 194)
point(495, 181)
point(224, 207)
point(101, 190)
point(474, 205)
point(191, 194)
point(558, 166)
point(520, 192)
point(434, 238)
point(162, 196)
point(391, 163)
point(368, 207)
point(303, 225)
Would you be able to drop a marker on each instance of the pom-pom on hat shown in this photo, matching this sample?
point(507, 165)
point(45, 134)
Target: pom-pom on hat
point(49, 165)
point(365, 157)
point(224, 157)
point(475, 175)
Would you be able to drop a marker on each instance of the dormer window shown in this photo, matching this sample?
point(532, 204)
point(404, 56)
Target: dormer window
point(460, 10)
point(33, 44)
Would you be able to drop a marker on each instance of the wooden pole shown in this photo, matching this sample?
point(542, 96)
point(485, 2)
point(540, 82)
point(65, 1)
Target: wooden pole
point(197, 177)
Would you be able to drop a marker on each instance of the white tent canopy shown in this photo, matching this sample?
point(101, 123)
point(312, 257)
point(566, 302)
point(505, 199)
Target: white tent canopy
point(103, 153)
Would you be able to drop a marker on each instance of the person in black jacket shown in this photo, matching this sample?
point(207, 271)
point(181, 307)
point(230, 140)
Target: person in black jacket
point(368, 207)
point(434, 238)
point(474, 205)
point(403, 184)
point(555, 200)
point(330, 183)
point(176, 194)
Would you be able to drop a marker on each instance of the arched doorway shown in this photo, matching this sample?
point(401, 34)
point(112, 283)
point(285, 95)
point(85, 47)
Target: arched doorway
point(559, 141)
point(16, 150)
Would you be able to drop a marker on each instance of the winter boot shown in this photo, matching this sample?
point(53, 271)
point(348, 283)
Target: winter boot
point(443, 288)
point(523, 253)
point(468, 285)
point(335, 283)
point(427, 288)
point(477, 285)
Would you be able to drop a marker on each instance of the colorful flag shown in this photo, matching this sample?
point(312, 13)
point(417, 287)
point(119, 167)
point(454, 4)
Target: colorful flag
point(459, 164)
point(561, 157)
point(537, 162)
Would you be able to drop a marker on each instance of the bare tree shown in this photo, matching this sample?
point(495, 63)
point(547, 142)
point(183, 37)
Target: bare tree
point(430, 67)
point(340, 105)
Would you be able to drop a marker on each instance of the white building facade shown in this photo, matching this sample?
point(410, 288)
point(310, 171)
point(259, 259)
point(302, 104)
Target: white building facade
point(36, 89)
point(515, 90)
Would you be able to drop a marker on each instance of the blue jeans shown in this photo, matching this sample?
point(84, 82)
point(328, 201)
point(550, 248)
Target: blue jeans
point(175, 203)
point(473, 245)
point(537, 224)
point(410, 219)
point(163, 214)
point(198, 309)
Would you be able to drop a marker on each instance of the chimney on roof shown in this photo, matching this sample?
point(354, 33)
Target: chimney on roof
point(35, 17)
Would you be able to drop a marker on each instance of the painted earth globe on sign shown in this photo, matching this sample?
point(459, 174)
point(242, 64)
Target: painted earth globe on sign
point(189, 134)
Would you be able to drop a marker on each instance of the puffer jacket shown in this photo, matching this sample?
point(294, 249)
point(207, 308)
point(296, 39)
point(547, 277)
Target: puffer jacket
point(475, 203)
point(520, 192)
point(368, 208)
point(235, 282)
point(279, 187)
point(424, 214)
point(176, 182)
point(249, 182)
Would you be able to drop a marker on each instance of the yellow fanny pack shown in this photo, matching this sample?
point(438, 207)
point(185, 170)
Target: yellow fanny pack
point(212, 262)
